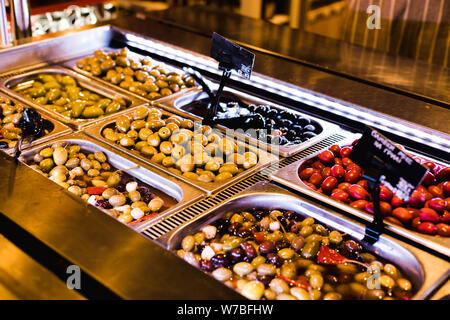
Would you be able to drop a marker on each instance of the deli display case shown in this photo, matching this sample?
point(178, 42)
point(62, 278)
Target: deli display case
point(130, 185)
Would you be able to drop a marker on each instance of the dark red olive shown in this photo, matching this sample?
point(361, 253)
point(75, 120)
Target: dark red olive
point(397, 202)
point(443, 175)
point(250, 251)
point(403, 214)
point(446, 188)
point(364, 183)
point(206, 265)
point(327, 157)
point(417, 199)
point(352, 176)
point(340, 195)
point(443, 229)
point(357, 192)
point(318, 165)
point(234, 227)
point(244, 232)
point(267, 246)
point(352, 246)
point(264, 279)
point(337, 171)
point(312, 186)
point(315, 179)
point(428, 215)
point(359, 204)
point(427, 228)
point(329, 184)
point(326, 172)
point(346, 162)
point(335, 149)
point(415, 223)
point(385, 194)
point(306, 173)
point(344, 186)
point(345, 152)
point(445, 217)
point(237, 255)
point(275, 259)
point(437, 204)
point(338, 161)
point(429, 179)
point(436, 191)
point(220, 260)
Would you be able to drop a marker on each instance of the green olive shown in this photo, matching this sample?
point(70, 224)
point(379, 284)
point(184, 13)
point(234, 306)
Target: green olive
point(92, 112)
point(310, 249)
point(46, 165)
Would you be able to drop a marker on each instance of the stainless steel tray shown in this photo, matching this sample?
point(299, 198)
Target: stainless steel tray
point(443, 293)
point(84, 82)
point(425, 270)
point(58, 129)
point(265, 159)
point(175, 103)
point(183, 193)
point(288, 176)
point(72, 64)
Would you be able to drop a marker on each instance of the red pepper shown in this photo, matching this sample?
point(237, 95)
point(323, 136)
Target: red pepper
point(259, 237)
point(330, 256)
point(95, 190)
point(301, 282)
point(142, 219)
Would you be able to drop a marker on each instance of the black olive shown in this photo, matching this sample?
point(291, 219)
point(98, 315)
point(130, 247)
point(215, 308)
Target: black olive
point(103, 204)
point(259, 214)
point(308, 135)
point(289, 214)
point(222, 225)
point(251, 107)
point(264, 279)
point(272, 113)
point(261, 109)
point(282, 244)
point(259, 121)
point(275, 259)
point(270, 123)
point(309, 127)
point(220, 260)
point(249, 249)
point(206, 265)
point(302, 121)
point(237, 255)
point(233, 228)
point(3, 145)
point(285, 122)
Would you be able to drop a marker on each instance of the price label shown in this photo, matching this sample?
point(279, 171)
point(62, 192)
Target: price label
point(381, 158)
point(232, 56)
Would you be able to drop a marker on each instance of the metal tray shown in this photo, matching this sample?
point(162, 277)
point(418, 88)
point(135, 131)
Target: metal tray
point(288, 176)
point(184, 194)
point(425, 270)
point(176, 103)
point(58, 129)
point(8, 83)
point(72, 64)
point(443, 293)
point(265, 159)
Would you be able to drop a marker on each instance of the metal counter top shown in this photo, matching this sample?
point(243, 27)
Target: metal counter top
point(59, 230)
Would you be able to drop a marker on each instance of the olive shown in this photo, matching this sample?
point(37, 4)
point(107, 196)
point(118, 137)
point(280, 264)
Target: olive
point(164, 133)
point(275, 259)
point(297, 243)
point(46, 165)
point(221, 273)
point(237, 254)
point(278, 286)
point(289, 270)
point(242, 268)
point(250, 251)
point(266, 269)
point(154, 140)
point(310, 249)
point(148, 151)
point(117, 200)
point(253, 290)
point(220, 260)
point(188, 243)
point(223, 176)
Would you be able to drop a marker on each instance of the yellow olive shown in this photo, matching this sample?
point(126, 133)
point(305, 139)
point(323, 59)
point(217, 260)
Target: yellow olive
point(149, 151)
point(166, 147)
point(178, 152)
point(158, 158)
point(155, 124)
point(212, 166)
point(223, 176)
point(164, 133)
point(123, 123)
point(229, 167)
point(168, 162)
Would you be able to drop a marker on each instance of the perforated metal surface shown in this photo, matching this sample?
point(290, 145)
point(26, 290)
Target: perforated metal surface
point(157, 230)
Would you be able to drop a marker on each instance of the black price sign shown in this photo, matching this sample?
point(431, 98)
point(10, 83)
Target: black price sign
point(231, 56)
point(380, 157)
